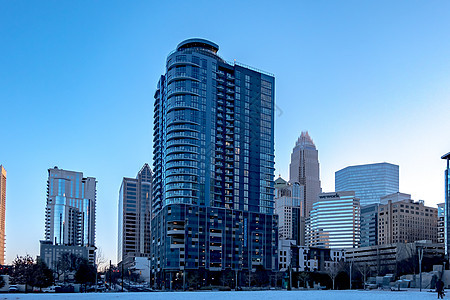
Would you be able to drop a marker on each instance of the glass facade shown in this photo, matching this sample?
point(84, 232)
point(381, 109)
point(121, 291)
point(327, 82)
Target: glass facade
point(369, 182)
point(369, 225)
point(70, 211)
point(2, 213)
point(213, 140)
point(447, 203)
point(334, 221)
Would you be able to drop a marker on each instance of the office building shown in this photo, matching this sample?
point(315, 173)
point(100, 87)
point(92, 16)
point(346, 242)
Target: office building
point(135, 197)
point(213, 185)
point(288, 201)
point(447, 203)
point(2, 213)
point(369, 225)
point(395, 197)
point(69, 214)
point(334, 221)
point(304, 169)
point(406, 221)
point(369, 182)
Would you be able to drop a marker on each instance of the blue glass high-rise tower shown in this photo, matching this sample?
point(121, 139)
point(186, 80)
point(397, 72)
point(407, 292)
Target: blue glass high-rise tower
point(447, 204)
point(213, 188)
point(369, 182)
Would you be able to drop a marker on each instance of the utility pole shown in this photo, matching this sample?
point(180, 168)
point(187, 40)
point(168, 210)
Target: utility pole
point(122, 276)
point(351, 265)
point(420, 250)
point(290, 276)
point(110, 275)
point(184, 279)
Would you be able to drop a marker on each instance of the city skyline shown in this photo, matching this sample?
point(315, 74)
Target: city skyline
point(89, 71)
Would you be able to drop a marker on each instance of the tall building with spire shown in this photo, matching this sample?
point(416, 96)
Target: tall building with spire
point(304, 169)
point(2, 213)
point(213, 185)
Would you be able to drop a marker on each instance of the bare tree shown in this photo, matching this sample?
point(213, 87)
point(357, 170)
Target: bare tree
point(333, 270)
point(99, 261)
point(364, 269)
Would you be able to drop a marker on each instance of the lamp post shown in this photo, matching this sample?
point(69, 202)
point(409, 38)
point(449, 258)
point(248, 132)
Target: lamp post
point(420, 251)
point(351, 266)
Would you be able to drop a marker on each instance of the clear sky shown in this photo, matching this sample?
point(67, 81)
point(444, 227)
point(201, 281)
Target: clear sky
point(369, 80)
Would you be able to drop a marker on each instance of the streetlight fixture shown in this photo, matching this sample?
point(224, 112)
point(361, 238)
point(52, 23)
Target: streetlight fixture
point(420, 252)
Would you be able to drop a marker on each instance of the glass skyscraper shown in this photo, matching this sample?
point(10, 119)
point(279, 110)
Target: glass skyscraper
point(70, 211)
point(369, 182)
point(135, 197)
point(2, 213)
point(69, 216)
point(447, 203)
point(213, 188)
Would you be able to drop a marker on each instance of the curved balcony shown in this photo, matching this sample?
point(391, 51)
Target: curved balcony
point(181, 92)
point(181, 63)
point(181, 178)
point(181, 193)
point(181, 156)
point(182, 164)
point(182, 127)
point(182, 186)
point(183, 134)
point(182, 107)
point(178, 77)
point(182, 171)
point(181, 149)
point(180, 121)
point(182, 142)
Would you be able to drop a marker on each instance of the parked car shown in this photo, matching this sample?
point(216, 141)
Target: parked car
point(13, 288)
point(50, 289)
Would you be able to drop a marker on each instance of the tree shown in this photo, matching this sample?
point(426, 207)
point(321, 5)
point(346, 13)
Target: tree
point(303, 277)
point(85, 273)
point(333, 270)
point(2, 281)
point(364, 269)
point(22, 270)
point(42, 276)
point(261, 277)
point(67, 263)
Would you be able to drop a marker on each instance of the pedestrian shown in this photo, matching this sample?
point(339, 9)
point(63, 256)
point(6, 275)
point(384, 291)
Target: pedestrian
point(440, 289)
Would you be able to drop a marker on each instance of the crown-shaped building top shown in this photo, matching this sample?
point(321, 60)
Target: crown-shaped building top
point(305, 140)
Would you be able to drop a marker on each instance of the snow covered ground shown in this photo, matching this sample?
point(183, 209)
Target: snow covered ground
point(257, 295)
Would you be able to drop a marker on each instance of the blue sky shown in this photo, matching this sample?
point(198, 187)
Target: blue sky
point(369, 80)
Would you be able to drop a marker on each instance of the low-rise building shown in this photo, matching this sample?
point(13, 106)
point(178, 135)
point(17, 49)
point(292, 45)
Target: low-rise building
point(51, 253)
point(385, 259)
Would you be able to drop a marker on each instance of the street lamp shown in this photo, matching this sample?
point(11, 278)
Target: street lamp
point(351, 266)
point(420, 252)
